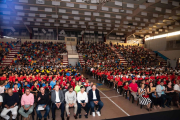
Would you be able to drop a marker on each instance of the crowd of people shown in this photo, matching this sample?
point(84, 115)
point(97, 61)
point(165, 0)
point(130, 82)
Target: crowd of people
point(40, 53)
point(5, 48)
point(98, 54)
point(135, 54)
point(151, 86)
point(23, 90)
point(37, 80)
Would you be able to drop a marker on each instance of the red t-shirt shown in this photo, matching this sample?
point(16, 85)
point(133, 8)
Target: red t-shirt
point(34, 87)
point(119, 83)
point(117, 79)
point(126, 87)
point(134, 87)
point(3, 78)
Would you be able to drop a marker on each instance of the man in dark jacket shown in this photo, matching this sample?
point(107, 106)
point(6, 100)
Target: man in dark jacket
point(94, 99)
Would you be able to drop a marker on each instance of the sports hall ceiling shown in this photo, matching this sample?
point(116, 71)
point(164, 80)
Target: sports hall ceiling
point(120, 17)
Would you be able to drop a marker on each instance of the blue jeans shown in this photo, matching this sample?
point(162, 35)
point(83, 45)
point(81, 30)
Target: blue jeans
point(47, 109)
point(100, 104)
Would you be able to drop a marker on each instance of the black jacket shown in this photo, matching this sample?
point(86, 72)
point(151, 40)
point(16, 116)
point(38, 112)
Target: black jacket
point(90, 95)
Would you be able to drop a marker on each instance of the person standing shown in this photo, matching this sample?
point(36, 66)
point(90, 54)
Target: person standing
point(10, 104)
point(43, 100)
point(70, 98)
point(94, 99)
point(27, 102)
point(57, 98)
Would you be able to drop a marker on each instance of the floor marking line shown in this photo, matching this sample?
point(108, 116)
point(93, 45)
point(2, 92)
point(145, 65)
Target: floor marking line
point(114, 103)
point(112, 96)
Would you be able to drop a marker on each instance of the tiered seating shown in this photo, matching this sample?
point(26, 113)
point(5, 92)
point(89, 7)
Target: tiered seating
point(98, 54)
point(7, 52)
point(41, 53)
point(136, 55)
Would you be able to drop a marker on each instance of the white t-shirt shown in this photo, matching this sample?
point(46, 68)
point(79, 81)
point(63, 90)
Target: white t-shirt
point(177, 87)
point(94, 95)
point(2, 89)
point(1, 98)
point(57, 96)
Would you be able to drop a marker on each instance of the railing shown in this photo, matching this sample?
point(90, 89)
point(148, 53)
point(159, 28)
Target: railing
point(161, 55)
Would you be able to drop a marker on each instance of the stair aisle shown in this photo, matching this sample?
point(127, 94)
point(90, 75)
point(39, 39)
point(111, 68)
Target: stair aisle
point(65, 60)
point(81, 60)
point(8, 60)
point(122, 59)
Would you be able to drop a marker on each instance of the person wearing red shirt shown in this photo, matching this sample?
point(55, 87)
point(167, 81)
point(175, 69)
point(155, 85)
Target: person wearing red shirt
point(15, 89)
point(86, 84)
point(152, 77)
point(82, 79)
point(146, 78)
point(73, 83)
point(116, 80)
point(126, 89)
point(140, 78)
point(129, 78)
point(165, 83)
point(27, 79)
point(3, 77)
point(110, 80)
point(124, 78)
point(158, 77)
point(133, 87)
point(159, 81)
point(77, 77)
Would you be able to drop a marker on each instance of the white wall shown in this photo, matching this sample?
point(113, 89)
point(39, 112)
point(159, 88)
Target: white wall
point(160, 44)
point(171, 54)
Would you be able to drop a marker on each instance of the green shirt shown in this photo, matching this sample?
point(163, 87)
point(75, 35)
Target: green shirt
point(77, 88)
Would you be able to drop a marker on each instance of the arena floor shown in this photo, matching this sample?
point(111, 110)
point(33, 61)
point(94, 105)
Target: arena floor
point(115, 105)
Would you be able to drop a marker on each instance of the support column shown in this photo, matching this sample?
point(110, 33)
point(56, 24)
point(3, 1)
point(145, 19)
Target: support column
point(104, 38)
point(30, 35)
point(1, 32)
point(125, 41)
point(143, 41)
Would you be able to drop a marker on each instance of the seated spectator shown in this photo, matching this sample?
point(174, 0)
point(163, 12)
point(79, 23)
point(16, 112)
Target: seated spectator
point(70, 98)
point(82, 100)
point(78, 85)
point(94, 99)
point(43, 100)
point(57, 98)
point(160, 89)
point(144, 97)
point(2, 87)
point(15, 89)
point(153, 96)
point(53, 83)
point(10, 104)
point(27, 102)
point(133, 87)
point(1, 100)
point(177, 92)
point(126, 89)
point(169, 90)
point(47, 88)
point(89, 88)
